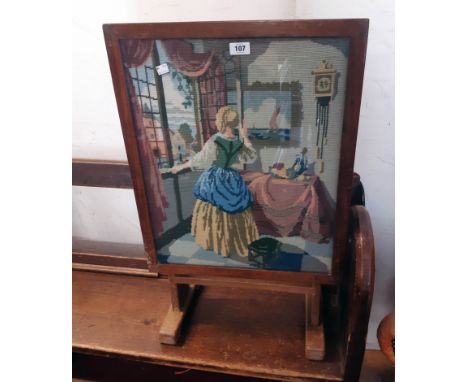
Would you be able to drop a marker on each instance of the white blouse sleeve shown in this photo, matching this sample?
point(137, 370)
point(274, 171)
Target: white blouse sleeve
point(205, 157)
point(248, 154)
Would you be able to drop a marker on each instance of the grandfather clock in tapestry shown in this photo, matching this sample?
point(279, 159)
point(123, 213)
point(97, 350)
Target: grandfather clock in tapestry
point(324, 87)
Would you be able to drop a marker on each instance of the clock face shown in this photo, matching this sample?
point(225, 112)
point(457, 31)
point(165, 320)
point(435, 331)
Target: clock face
point(323, 85)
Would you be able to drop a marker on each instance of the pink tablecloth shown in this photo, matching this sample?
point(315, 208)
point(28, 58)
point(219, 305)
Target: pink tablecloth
point(284, 207)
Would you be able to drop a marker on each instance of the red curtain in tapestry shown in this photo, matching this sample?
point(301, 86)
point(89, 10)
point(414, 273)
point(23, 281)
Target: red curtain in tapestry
point(135, 53)
point(210, 76)
point(185, 60)
point(213, 95)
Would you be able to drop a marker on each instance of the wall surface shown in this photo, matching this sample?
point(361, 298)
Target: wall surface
point(110, 215)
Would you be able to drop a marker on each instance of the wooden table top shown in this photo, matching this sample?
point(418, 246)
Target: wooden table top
point(242, 332)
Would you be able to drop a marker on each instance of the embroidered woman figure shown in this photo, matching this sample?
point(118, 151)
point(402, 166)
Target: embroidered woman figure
point(222, 220)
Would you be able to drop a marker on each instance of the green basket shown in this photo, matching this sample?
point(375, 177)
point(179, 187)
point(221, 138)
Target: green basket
point(263, 250)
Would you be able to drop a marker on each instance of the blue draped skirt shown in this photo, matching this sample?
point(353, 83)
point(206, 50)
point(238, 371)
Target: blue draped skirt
point(224, 188)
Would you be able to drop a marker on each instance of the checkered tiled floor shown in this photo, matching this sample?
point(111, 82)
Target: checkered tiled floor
point(185, 251)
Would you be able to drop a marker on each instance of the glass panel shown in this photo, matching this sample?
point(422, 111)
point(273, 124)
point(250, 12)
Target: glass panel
point(247, 142)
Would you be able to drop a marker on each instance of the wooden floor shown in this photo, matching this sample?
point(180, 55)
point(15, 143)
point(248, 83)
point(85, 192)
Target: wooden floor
point(256, 334)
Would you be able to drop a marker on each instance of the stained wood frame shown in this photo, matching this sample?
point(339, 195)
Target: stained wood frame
point(354, 29)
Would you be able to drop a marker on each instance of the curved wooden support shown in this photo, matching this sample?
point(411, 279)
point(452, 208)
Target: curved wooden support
point(360, 288)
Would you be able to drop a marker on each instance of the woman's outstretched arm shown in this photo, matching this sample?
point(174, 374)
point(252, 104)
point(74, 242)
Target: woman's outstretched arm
point(248, 154)
point(201, 160)
point(180, 167)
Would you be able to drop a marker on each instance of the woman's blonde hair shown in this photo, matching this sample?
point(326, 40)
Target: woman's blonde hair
point(226, 117)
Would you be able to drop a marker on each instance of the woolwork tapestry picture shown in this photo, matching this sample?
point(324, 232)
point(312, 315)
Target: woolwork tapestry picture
point(245, 137)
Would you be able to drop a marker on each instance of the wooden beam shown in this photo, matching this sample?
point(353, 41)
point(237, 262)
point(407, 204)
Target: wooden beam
point(106, 259)
point(107, 254)
point(182, 296)
point(101, 173)
point(314, 334)
point(247, 283)
point(118, 270)
point(106, 173)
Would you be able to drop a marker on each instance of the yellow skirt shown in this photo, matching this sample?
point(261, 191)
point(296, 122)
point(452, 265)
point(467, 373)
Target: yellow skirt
point(223, 233)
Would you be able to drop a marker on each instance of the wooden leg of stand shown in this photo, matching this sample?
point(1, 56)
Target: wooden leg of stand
point(314, 336)
point(181, 297)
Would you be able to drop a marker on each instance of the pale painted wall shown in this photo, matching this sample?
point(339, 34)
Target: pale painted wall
point(111, 214)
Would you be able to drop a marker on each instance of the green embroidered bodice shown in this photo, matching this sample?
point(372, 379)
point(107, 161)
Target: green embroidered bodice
point(228, 150)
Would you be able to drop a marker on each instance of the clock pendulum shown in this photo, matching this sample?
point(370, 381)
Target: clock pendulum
point(324, 87)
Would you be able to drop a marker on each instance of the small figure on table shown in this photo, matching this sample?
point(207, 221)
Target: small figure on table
point(301, 163)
